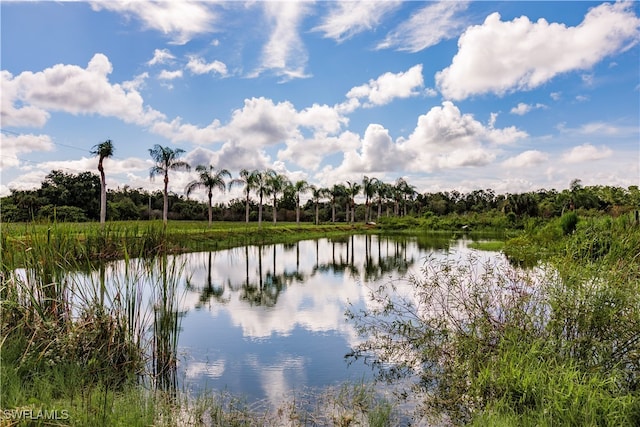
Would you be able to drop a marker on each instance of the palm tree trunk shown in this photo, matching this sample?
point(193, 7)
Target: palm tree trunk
point(275, 210)
point(260, 212)
point(165, 207)
point(246, 210)
point(103, 195)
point(298, 210)
point(317, 213)
point(210, 213)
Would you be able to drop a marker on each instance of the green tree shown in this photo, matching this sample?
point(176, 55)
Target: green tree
point(276, 184)
point(248, 179)
point(261, 187)
point(103, 150)
point(334, 192)
point(167, 159)
point(369, 186)
point(210, 179)
point(353, 189)
point(299, 187)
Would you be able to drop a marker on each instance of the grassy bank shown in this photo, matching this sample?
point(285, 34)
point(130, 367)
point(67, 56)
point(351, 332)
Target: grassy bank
point(557, 344)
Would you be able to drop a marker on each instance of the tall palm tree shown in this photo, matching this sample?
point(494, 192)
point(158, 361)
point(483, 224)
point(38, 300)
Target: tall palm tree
point(248, 179)
point(382, 191)
point(317, 194)
point(166, 159)
point(353, 188)
point(276, 185)
point(210, 179)
point(261, 187)
point(334, 192)
point(103, 150)
point(369, 189)
point(301, 186)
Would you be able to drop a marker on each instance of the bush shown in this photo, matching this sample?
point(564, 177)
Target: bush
point(568, 222)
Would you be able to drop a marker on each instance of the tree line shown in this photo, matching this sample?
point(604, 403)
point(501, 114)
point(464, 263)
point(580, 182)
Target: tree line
point(83, 197)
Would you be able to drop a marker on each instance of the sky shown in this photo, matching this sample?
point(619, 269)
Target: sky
point(450, 95)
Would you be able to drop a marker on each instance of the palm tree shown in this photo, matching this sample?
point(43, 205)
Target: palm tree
point(103, 150)
point(334, 192)
point(209, 178)
point(353, 188)
point(261, 186)
point(317, 194)
point(276, 184)
point(248, 179)
point(166, 159)
point(300, 187)
point(382, 191)
point(369, 186)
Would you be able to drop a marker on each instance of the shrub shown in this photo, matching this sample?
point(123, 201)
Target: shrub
point(568, 222)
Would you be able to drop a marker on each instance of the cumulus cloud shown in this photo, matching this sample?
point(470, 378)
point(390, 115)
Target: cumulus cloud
point(586, 152)
point(198, 66)
point(389, 86)
point(443, 138)
point(259, 123)
point(14, 145)
point(427, 27)
point(526, 159)
point(181, 20)
point(74, 90)
point(498, 56)
point(310, 152)
point(348, 18)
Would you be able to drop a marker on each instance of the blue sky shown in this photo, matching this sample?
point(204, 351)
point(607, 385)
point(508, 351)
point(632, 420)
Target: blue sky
point(513, 96)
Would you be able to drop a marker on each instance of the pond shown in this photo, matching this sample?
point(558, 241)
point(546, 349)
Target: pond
point(267, 321)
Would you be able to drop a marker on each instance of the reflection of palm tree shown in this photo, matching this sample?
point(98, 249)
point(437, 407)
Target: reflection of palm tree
point(208, 291)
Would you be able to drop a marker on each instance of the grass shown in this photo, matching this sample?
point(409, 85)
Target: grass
point(497, 345)
point(491, 245)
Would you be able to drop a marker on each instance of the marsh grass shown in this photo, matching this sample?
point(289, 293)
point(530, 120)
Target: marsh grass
point(497, 345)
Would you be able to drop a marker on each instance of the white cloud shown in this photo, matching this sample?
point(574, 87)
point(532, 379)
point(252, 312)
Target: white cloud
point(586, 152)
point(74, 90)
point(526, 159)
point(14, 145)
point(181, 20)
point(427, 27)
point(389, 86)
point(310, 152)
point(521, 109)
point(498, 57)
point(197, 66)
point(284, 52)
point(348, 18)
point(161, 56)
point(170, 75)
point(443, 138)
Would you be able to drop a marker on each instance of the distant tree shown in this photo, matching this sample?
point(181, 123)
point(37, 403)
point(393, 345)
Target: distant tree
point(369, 186)
point(103, 150)
point(301, 186)
point(248, 180)
point(210, 179)
point(276, 184)
point(261, 186)
point(353, 189)
point(166, 160)
point(334, 192)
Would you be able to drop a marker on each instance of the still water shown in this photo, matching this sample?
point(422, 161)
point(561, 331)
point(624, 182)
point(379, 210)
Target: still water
point(266, 321)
